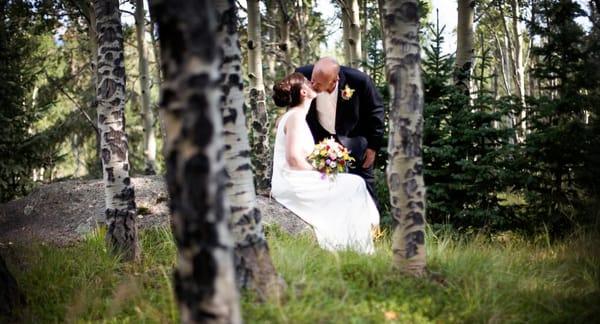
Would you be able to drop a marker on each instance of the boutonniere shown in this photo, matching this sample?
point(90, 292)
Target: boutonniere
point(347, 93)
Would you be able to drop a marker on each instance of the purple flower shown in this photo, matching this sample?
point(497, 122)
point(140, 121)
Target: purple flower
point(328, 161)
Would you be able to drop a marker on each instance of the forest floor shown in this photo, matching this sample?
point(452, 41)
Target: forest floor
point(509, 280)
point(62, 213)
point(498, 279)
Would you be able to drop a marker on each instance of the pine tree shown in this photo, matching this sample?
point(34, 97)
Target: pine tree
point(560, 138)
point(466, 160)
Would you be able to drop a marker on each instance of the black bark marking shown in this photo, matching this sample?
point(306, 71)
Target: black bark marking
point(105, 155)
point(234, 79)
point(117, 143)
point(199, 81)
point(415, 205)
point(168, 96)
point(110, 175)
point(412, 241)
point(414, 219)
point(414, 101)
point(202, 132)
point(231, 117)
point(127, 194)
point(107, 35)
point(235, 209)
point(408, 12)
point(410, 187)
point(119, 71)
point(121, 232)
point(244, 167)
point(410, 141)
point(107, 89)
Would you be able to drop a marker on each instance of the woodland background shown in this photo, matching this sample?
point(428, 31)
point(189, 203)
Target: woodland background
point(524, 156)
point(511, 138)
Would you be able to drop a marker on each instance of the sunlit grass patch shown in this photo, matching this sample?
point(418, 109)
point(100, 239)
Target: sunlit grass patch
point(485, 279)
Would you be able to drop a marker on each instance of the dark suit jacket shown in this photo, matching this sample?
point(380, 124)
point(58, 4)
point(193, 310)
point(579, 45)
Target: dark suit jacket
point(358, 120)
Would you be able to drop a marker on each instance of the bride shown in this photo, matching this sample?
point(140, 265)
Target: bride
point(341, 211)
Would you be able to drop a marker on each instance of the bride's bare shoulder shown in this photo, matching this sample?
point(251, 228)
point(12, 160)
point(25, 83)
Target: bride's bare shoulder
point(292, 120)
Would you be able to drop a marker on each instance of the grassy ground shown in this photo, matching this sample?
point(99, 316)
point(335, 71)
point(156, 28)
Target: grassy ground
point(506, 279)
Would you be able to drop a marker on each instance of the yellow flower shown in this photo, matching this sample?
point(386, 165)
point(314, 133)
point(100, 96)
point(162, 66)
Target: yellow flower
point(347, 93)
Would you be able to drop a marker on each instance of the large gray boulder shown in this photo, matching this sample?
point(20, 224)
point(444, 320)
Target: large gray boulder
point(64, 212)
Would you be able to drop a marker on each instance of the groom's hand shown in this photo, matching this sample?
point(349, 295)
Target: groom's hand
point(369, 158)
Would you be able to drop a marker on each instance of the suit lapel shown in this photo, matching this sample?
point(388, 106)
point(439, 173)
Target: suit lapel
point(340, 102)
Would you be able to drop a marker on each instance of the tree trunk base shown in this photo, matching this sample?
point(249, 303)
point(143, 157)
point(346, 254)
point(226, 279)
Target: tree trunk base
point(255, 271)
point(121, 234)
point(10, 294)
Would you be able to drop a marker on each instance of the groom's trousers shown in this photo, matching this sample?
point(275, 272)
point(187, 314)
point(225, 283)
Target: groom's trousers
point(358, 147)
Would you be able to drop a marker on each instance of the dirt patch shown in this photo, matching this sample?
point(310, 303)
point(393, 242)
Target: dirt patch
point(63, 212)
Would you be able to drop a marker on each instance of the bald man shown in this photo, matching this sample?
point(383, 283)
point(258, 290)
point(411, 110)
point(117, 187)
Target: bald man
point(349, 108)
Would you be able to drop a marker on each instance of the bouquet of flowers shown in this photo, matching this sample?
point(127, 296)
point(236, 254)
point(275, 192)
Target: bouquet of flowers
point(330, 158)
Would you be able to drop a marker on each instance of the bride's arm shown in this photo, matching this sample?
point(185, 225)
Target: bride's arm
point(295, 156)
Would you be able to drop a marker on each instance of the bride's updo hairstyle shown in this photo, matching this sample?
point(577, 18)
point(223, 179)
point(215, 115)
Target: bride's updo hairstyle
point(286, 93)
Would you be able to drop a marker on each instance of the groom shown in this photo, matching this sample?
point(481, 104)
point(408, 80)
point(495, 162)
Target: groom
point(349, 108)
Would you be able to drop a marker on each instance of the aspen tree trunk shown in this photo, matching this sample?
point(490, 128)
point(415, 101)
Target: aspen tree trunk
point(121, 235)
point(147, 114)
point(93, 43)
point(272, 11)
point(301, 15)
point(352, 32)
point(346, 37)
point(204, 275)
point(260, 118)
point(519, 67)
point(364, 27)
point(284, 42)
point(405, 165)
point(380, 5)
point(158, 79)
point(465, 51)
point(355, 40)
point(254, 268)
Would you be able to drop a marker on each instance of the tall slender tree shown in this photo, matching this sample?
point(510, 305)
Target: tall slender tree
point(284, 35)
point(258, 107)
point(158, 77)
point(254, 268)
point(204, 276)
point(147, 114)
point(119, 192)
point(405, 165)
point(465, 45)
point(352, 32)
point(88, 6)
point(518, 62)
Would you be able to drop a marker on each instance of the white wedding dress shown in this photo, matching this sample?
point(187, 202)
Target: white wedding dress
point(341, 211)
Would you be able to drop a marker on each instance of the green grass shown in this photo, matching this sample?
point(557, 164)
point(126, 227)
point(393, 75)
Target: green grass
point(507, 279)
